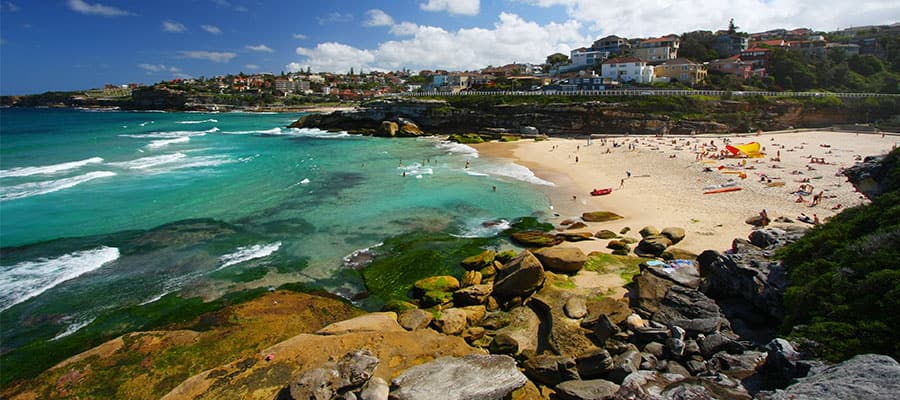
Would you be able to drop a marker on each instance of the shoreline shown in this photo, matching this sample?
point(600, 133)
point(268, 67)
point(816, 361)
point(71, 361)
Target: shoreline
point(667, 181)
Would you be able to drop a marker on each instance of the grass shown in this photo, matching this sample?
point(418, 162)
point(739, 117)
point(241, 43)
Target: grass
point(626, 266)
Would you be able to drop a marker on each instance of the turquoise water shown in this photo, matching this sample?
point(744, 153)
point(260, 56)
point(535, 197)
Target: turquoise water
point(103, 210)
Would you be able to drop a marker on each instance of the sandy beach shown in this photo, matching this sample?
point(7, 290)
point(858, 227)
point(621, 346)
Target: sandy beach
point(668, 178)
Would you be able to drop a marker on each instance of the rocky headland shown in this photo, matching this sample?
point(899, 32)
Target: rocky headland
point(650, 115)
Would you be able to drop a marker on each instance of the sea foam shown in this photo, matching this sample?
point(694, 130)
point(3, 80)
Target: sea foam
point(515, 171)
point(39, 188)
point(22, 281)
point(459, 148)
point(48, 169)
point(158, 144)
point(248, 253)
point(198, 122)
point(149, 162)
point(273, 131)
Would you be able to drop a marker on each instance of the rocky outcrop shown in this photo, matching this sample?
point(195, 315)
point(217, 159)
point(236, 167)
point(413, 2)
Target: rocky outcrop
point(746, 274)
point(867, 376)
point(561, 259)
point(519, 277)
point(872, 176)
point(439, 117)
point(473, 377)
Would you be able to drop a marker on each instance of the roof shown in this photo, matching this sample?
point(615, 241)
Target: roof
point(755, 49)
point(680, 61)
point(659, 39)
point(773, 42)
point(622, 60)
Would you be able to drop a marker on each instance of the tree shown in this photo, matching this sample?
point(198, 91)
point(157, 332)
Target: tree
point(732, 29)
point(557, 58)
point(351, 71)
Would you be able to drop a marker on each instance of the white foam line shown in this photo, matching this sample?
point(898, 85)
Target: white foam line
point(40, 188)
point(48, 169)
point(248, 253)
point(22, 281)
point(158, 144)
point(198, 122)
point(73, 327)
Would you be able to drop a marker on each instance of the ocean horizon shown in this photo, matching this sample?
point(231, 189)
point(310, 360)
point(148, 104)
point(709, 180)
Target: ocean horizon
point(101, 211)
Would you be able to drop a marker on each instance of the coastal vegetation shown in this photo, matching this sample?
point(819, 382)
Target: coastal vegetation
point(845, 278)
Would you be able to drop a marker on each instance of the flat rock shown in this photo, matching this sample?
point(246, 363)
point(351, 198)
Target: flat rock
point(594, 389)
point(617, 311)
point(561, 259)
point(373, 322)
point(565, 335)
point(674, 234)
point(606, 234)
point(594, 363)
point(647, 385)
point(473, 377)
point(444, 283)
point(684, 273)
point(472, 295)
point(600, 216)
point(866, 376)
point(479, 261)
point(551, 370)
point(536, 239)
point(651, 290)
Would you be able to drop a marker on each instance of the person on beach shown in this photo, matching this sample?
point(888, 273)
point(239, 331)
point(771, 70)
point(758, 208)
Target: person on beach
point(495, 188)
point(622, 183)
point(576, 159)
point(764, 216)
point(467, 164)
point(815, 219)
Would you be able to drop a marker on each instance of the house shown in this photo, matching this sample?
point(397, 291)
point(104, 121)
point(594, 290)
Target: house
point(809, 47)
point(611, 44)
point(586, 57)
point(681, 70)
point(730, 44)
point(849, 49)
point(509, 70)
point(732, 66)
point(658, 50)
point(757, 56)
point(769, 43)
point(627, 69)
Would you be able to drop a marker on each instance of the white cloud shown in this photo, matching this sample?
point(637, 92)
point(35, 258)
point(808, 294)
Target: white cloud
point(655, 18)
point(173, 26)
point(335, 18)
point(96, 9)
point(511, 39)
point(461, 7)
point(10, 6)
point(295, 67)
point(260, 47)
point(212, 29)
point(214, 56)
point(251, 67)
point(299, 36)
point(151, 68)
point(378, 18)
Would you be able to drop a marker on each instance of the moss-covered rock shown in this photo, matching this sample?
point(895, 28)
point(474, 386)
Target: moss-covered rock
point(444, 283)
point(606, 234)
point(600, 216)
point(436, 298)
point(536, 239)
point(505, 255)
point(468, 138)
point(479, 261)
point(618, 245)
point(398, 306)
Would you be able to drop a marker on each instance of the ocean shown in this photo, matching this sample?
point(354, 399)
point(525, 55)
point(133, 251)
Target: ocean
point(102, 211)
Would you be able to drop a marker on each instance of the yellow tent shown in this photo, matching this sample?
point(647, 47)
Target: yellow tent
point(746, 150)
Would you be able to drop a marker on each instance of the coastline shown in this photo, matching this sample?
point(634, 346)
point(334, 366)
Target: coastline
point(666, 184)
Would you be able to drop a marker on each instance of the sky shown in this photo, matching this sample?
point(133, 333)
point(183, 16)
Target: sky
point(80, 44)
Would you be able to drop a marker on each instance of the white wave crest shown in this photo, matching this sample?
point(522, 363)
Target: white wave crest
point(198, 122)
point(158, 144)
point(484, 229)
point(515, 171)
point(48, 169)
point(316, 133)
point(248, 253)
point(73, 327)
point(171, 134)
point(273, 131)
point(22, 281)
point(38, 188)
point(149, 162)
point(459, 148)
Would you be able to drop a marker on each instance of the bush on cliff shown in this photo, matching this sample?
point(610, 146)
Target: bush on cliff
point(845, 278)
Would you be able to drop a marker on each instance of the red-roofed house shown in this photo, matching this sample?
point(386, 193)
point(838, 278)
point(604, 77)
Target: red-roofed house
point(733, 66)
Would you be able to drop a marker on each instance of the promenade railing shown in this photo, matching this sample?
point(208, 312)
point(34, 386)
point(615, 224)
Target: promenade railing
point(637, 92)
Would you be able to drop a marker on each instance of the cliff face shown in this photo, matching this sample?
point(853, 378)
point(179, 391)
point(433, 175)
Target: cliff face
point(440, 117)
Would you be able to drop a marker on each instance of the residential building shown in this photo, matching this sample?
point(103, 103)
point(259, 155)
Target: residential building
point(730, 44)
point(658, 50)
point(586, 57)
point(291, 85)
point(757, 56)
point(627, 69)
point(509, 70)
point(849, 49)
point(681, 70)
point(770, 43)
point(733, 66)
point(809, 47)
point(611, 44)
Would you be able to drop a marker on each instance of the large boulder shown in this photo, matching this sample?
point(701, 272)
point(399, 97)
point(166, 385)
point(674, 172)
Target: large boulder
point(561, 259)
point(595, 389)
point(673, 233)
point(520, 277)
point(356, 368)
point(520, 331)
point(617, 311)
point(408, 128)
point(444, 283)
point(600, 216)
point(387, 129)
point(415, 319)
point(866, 376)
point(536, 239)
point(648, 231)
point(691, 310)
point(737, 366)
point(565, 336)
point(473, 377)
point(551, 370)
point(684, 272)
point(746, 275)
point(650, 290)
point(594, 363)
point(479, 261)
point(316, 384)
point(783, 363)
point(624, 364)
point(451, 321)
point(472, 295)
point(652, 246)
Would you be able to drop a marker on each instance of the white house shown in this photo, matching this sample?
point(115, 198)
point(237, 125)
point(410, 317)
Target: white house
point(627, 69)
point(587, 57)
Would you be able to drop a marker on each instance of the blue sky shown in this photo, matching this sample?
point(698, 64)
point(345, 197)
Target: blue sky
point(79, 44)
